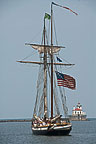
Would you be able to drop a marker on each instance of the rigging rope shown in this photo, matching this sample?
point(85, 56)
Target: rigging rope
point(39, 88)
point(55, 32)
point(63, 98)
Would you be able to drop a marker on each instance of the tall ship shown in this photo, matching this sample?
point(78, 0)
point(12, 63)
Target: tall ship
point(50, 116)
point(78, 114)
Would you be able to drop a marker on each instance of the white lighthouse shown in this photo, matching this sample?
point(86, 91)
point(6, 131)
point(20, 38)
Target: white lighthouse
point(77, 113)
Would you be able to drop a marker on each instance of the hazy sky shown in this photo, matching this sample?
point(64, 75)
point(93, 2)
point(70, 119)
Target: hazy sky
point(22, 21)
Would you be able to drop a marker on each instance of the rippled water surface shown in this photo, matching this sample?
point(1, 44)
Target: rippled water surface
point(83, 132)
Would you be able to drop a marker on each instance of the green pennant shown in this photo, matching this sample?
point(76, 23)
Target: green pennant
point(47, 16)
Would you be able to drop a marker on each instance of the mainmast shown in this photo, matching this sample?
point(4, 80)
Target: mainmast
point(51, 63)
point(45, 75)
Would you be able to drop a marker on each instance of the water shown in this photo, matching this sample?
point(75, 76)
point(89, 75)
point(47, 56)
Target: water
point(83, 132)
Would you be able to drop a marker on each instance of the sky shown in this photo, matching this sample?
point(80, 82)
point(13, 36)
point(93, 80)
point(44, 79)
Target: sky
point(21, 21)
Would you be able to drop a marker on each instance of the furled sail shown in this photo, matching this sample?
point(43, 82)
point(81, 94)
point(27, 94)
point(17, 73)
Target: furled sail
point(40, 48)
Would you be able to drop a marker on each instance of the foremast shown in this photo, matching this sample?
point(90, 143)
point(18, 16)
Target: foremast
point(51, 63)
point(45, 75)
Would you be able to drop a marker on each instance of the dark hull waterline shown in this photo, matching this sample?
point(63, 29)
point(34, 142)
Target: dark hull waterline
point(53, 132)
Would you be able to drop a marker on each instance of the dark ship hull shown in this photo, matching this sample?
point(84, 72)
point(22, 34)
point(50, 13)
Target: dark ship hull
point(53, 130)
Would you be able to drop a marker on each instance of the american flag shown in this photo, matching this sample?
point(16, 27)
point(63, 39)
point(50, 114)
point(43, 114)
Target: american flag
point(65, 80)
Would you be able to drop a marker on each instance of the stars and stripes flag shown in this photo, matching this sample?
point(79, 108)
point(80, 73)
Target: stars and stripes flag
point(65, 80)
point(65, 8)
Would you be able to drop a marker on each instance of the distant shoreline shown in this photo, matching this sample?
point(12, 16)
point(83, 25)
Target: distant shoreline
point(30, 120)
point(16, 120)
